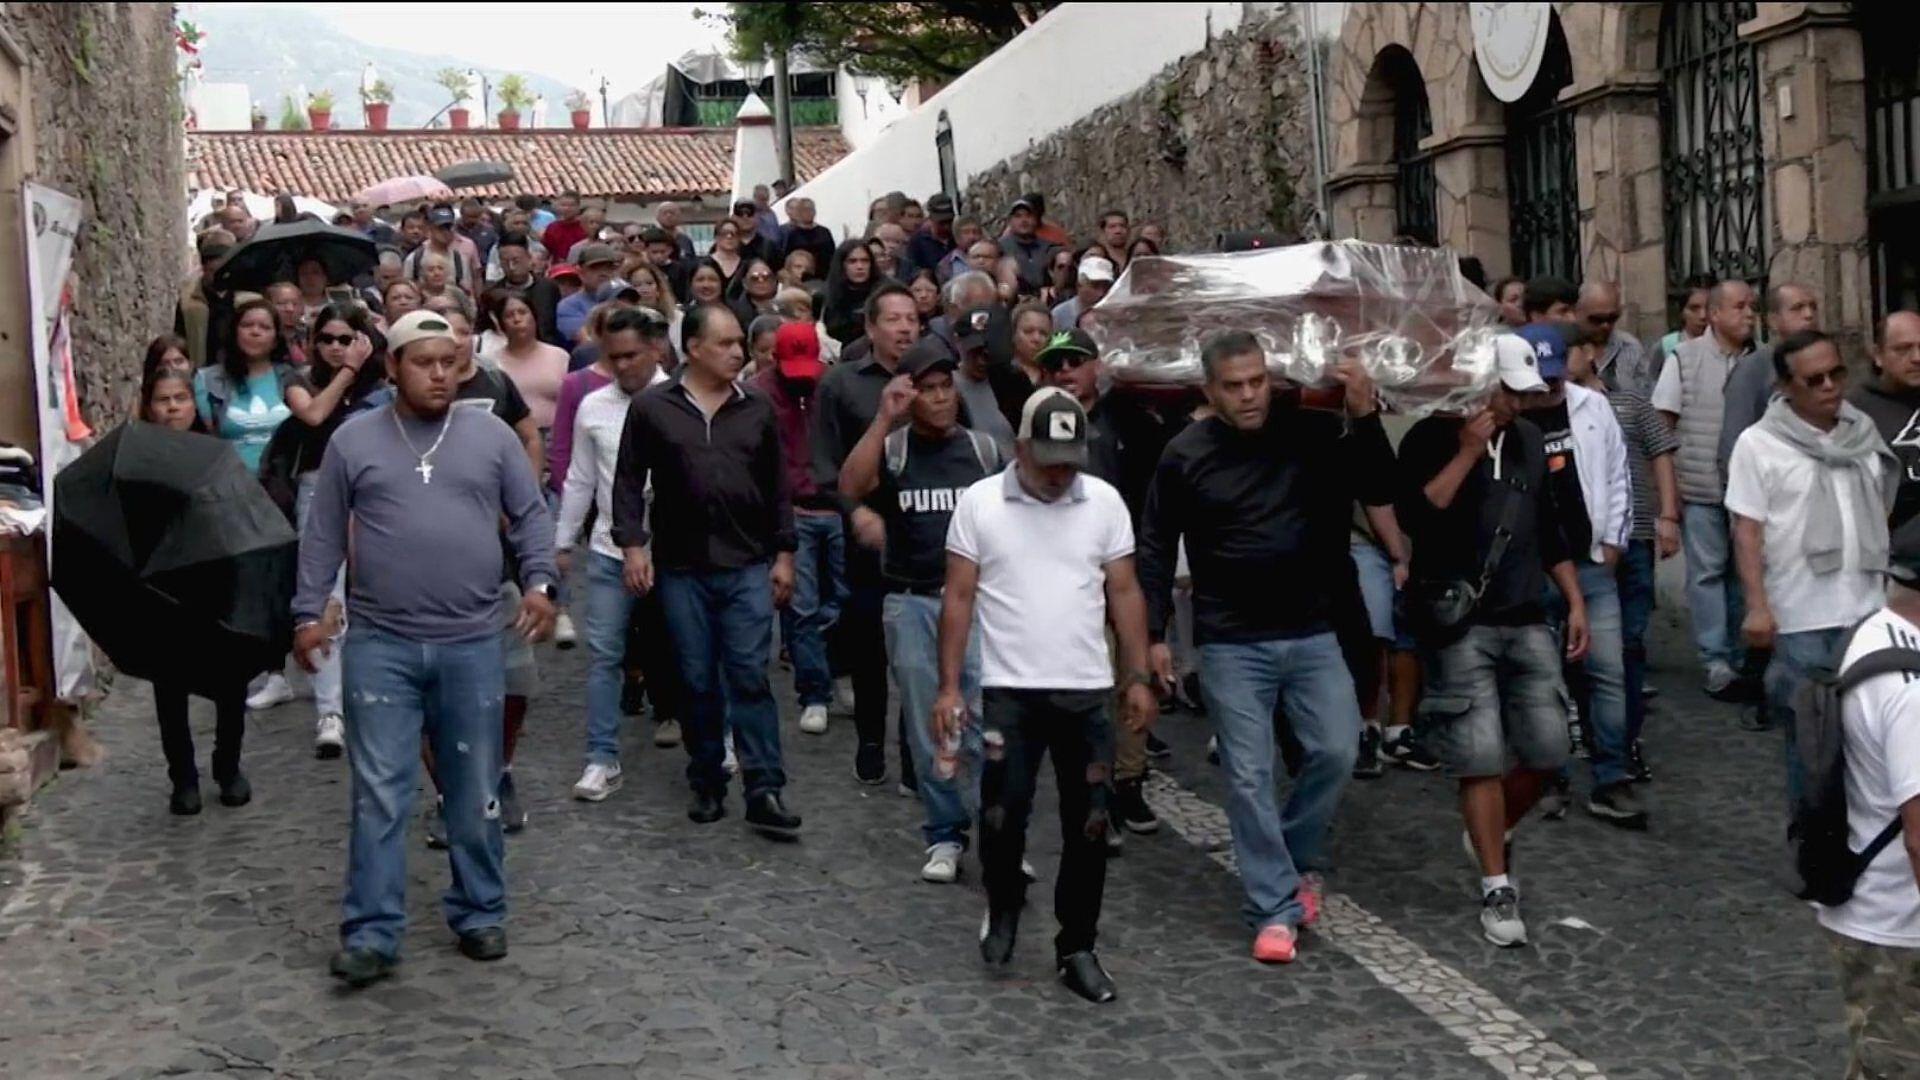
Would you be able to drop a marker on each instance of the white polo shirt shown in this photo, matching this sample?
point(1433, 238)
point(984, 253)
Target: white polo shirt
point(1882, 722)
point(1041, 600)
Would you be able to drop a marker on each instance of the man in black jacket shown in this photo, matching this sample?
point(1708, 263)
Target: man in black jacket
point(801, 233)
point(543, 296)
point(1893, 401)
point(723, 512)
point(1263, 496)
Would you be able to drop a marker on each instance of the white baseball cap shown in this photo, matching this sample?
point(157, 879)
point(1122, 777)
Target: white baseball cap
point(417, 326)
point(1095, 268)
point(1519, 372)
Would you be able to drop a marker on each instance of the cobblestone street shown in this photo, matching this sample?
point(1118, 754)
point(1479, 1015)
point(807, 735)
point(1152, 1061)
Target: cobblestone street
point(136, 944)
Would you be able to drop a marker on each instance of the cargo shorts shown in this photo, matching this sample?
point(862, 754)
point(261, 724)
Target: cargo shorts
point(1496, 688)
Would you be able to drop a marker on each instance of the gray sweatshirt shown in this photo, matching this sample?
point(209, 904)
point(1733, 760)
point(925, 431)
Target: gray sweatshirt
point(426, 558)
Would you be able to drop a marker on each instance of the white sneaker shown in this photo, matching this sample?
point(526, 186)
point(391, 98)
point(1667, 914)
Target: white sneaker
point(843, 696)
point(1027, 871)
point(329, 736)
point(1720, 675)
point(943, 864)
point(274, 691)
point(1500, 918)
point(730, 763)
point(813, 719)
point(597, 782)
point(564, 636)
point(666, 734)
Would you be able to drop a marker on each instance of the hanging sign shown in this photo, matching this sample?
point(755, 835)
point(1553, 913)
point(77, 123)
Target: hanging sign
point(1509, 41)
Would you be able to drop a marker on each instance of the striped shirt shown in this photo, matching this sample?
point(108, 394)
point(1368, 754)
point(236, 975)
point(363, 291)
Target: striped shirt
point(1647, 437)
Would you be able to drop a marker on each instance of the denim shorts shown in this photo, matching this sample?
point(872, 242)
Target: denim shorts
point(1386, 606)
point(1497, 687)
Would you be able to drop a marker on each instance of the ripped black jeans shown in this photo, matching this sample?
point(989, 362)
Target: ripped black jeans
point(1076, 726)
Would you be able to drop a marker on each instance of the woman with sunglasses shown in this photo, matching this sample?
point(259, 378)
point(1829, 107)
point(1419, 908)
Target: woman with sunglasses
point(726, 251)
point(1061, 271)
point(757, 288)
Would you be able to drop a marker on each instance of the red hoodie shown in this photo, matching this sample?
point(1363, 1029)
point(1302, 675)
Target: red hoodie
point(793, 420)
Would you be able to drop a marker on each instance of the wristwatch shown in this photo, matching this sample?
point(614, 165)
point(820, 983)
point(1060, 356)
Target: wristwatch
point(1141, 678)
point(545, 589)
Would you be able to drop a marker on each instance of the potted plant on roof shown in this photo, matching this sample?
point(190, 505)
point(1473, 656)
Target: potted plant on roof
point(580, 108)
point(258, 119)
point(378, 101)
point(514, 96)
point(320, 110)
point(456, 83)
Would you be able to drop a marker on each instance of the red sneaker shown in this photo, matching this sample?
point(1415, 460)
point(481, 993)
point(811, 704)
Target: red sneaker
point(1312, 893)
point(1274, 945)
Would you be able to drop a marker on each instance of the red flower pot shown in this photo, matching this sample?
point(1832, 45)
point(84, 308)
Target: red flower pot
point(458, 118)
point(320, 119)
point(377, 115)
point(581, 118)
point(509, 121)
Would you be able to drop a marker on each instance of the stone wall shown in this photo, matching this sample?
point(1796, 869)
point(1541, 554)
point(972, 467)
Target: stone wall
point(106, 128)
point(1220, 140)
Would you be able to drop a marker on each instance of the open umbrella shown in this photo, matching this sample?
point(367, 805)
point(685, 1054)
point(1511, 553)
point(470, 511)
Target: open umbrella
point(276, 250)
point(475, 174)
point(173, 558)
point(404, 189)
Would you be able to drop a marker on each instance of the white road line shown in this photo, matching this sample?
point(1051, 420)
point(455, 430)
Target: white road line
point(1493, 1031)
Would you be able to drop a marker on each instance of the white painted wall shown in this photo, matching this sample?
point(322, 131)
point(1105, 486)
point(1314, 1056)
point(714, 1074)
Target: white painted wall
point(863, 120)
point(1078, 57)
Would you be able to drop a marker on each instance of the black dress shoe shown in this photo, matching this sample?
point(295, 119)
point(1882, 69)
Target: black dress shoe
point(235, 791)
point(997, 934)
point(707, 807)
point(361, 967)
point(185, 800)
point(767, 814)
point(1157, 749)
point(486, 943)
point(1083, 975)
point(870, 763)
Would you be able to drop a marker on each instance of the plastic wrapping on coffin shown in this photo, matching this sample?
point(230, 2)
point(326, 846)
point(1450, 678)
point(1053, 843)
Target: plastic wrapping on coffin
point(1423, 330)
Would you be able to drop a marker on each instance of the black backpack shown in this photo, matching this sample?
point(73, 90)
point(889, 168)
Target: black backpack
point(1827, 866)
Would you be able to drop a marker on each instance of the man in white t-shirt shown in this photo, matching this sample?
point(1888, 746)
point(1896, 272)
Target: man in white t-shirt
point(1048, 553)
point(1809, 487)
point(1877, 932)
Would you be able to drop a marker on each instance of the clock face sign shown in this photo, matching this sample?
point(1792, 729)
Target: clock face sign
point(1509, 41)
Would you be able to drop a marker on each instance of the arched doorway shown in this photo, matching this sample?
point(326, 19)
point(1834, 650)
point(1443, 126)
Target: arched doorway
point(1893, 157)
point(1711, 170)
point(1543, 203)
point(1415, 213)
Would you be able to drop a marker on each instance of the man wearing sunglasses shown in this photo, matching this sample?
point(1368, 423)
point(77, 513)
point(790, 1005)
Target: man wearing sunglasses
point(1809, 488)
point(1624, 363)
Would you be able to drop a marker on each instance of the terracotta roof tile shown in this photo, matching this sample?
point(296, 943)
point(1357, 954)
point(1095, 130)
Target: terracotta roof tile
point(640, 163)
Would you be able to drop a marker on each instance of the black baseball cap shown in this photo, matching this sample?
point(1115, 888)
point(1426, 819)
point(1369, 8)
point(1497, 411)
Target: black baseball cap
point(940, 206)
point(930, 353)
point(1054, 427)
point(974, 327)
point(441, 215)
point(1023, 203)
point(1064, 344)
point(745, 208)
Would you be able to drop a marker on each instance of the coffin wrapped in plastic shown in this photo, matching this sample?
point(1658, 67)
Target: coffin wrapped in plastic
point(1421, 328)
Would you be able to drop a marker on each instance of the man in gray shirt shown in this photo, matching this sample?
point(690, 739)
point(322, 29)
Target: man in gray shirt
point(422, 484)
point(1791, 308)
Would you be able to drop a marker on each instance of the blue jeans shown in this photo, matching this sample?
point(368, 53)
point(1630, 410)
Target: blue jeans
point(1795, 658)
point(395, 690)
point(609, 609)
point(1602, 675)
point(912, 625)
point(721, 622)
point(326, 681)
point(1713, 588)
point(819, 586)
point(1634, 577)
point(1242, 684)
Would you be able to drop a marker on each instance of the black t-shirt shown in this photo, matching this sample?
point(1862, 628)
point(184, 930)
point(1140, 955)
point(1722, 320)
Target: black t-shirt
point(1563, 478)
point(1451, 544)
point(498, 390)
point(918, 503)
point(1897, 416)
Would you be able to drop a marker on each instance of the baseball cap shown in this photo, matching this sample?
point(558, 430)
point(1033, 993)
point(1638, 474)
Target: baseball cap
point(1519, 371)
point(796, 349)
point(594, 253)
point(1550, 342)
point(744, 208)
point(417, 326)
point(1054, 427)
point(1095, 268)
point(930, 353)
point(627, 292)
point(441, 215)
point(560, 270)
point(1019, 204)
point(973, 328)
point(1066, 343)
point(940, 205)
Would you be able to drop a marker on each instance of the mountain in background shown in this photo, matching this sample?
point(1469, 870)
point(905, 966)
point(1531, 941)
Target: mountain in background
point(281, 51)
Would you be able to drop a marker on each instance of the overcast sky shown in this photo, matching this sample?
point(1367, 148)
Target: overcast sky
point(575, 43)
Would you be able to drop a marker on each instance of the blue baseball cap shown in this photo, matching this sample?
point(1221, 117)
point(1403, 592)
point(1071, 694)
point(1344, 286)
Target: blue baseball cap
point(1549, 342)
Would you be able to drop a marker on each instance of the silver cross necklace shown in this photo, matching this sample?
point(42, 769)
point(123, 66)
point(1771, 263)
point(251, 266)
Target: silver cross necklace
point(425, 468)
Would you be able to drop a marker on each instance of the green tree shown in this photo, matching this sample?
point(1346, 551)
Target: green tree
point(898, 42)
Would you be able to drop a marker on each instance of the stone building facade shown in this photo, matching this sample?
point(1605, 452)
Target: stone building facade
point(1661, 140)
point(97, 115)
point(1221, 140)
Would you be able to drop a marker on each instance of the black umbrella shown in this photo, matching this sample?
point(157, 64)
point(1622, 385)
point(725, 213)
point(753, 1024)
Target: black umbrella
point(276, 250)
point(173, 558)
point(475, 174)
